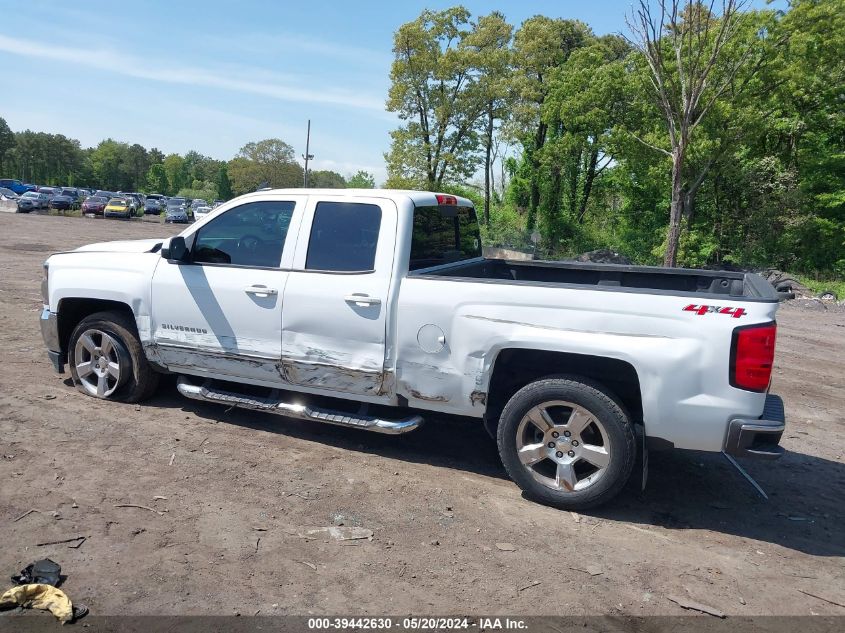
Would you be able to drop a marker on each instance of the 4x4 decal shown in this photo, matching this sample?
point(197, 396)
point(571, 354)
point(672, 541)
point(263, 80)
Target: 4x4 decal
point(701, 310)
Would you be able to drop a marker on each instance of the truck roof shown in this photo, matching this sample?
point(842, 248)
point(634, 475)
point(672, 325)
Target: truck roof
point(419, 198)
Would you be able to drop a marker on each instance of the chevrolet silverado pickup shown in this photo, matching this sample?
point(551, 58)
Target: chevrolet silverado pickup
point(371, 309)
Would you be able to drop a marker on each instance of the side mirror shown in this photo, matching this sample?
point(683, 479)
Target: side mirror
point(176, 251)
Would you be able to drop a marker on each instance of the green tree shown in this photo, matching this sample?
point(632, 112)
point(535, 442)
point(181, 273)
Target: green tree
point(156, 156)
point(361, 180)
point(693, 65)
point(108, 160)
point(177, 174)
point(586, 100)
point(326, 179)
point(157, 179)
point(7, 143)
point(270, 161)
point(224, 187)
point(488, 49)
point(541, 45)
point(432, 91)
point(136, 166)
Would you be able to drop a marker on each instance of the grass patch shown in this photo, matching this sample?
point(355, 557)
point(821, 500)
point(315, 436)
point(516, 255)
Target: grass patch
point(836, 285)
point(76, 213)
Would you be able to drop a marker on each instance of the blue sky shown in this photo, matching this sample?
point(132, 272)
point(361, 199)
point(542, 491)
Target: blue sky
point(213, 75)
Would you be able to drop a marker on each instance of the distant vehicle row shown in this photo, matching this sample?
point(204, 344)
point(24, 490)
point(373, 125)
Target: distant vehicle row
point(106, 203)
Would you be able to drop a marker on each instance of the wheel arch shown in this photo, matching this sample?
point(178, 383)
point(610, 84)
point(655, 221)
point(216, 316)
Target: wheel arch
point(516, 367)
point(71, 310)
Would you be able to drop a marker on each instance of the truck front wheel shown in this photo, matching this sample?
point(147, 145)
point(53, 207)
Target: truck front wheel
point(566, 442)
point(107, 361)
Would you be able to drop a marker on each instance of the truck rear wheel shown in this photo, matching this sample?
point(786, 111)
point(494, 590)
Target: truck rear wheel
point(107, 361)
point(566, 442)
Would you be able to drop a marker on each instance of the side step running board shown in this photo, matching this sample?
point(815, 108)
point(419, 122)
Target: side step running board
point(303, 412)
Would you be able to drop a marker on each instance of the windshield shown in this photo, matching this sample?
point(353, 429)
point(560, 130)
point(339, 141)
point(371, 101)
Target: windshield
point(30, 194)
point(173, 202)
point(117, 202)
point(443, 235)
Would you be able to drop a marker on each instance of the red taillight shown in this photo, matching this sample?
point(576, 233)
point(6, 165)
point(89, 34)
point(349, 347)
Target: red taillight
point(752, 355)
point(444, 199)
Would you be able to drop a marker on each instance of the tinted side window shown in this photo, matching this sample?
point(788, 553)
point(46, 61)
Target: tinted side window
point(443, 235)
point(344, 236)
point(252, 234)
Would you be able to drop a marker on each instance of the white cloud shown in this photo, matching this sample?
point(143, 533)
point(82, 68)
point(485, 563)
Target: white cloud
point(142, 68)
point(300, 45)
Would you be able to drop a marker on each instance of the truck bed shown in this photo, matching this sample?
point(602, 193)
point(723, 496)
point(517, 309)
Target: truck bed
point(611, 277)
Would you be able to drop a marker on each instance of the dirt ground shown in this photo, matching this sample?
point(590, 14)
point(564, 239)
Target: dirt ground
point(231, 492)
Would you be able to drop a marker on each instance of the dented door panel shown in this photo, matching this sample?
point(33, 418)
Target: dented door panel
point(225, 319)
point(334, 322)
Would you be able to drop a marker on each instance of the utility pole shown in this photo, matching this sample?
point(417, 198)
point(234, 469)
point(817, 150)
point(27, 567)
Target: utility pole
point(306, 155)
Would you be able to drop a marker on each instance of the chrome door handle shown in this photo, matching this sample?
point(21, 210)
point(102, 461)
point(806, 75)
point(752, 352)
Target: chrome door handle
point(362, 300)
point(260, 291)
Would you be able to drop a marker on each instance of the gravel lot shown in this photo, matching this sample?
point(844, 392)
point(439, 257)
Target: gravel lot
point(232, 492)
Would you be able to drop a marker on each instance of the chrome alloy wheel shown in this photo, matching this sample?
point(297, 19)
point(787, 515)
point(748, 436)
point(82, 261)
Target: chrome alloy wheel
point(563, 445)
point(100, 362)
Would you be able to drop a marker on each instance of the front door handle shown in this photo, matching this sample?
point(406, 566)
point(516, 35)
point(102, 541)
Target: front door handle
point(260, 291)
point(362, 300)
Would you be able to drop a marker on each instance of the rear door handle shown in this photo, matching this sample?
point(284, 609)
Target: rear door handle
point(260, 291)
point(362, 300)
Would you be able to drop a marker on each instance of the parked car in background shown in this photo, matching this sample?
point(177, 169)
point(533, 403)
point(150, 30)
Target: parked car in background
point(216, 203)
point(74, 193)
point(201, 212)
point(33, 200)
point(8, 194)
point(152, 206)
point(118, 208)
point(63, 202)
point(14, 185)
point(100, 193)
point(133, 200)
point(49, 191)
point(95, 205)
point(139, 198)
point(176, 215)
point(182, 203)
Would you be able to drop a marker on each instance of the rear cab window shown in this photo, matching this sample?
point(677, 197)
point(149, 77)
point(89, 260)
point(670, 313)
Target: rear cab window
point(444, 234)
point(344, 237)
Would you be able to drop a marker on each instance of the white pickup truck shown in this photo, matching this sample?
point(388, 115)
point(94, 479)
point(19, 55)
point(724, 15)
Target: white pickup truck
point(372, 308)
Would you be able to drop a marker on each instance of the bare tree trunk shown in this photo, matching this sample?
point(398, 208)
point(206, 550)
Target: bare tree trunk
point(676, 210)
point(487, 166)
point(534, 202)
point(588, 184)
point(553, 207)
point(574, 172)
point(693, 65)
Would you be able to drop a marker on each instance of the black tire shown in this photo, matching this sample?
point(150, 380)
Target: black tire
point(604, 408)
point(139, 380)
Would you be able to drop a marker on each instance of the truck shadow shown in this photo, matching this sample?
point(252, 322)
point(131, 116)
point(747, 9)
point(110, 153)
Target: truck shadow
point(686, 490)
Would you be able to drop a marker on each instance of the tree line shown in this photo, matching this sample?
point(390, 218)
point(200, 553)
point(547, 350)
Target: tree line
point(706, 134)
point(54, 159)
